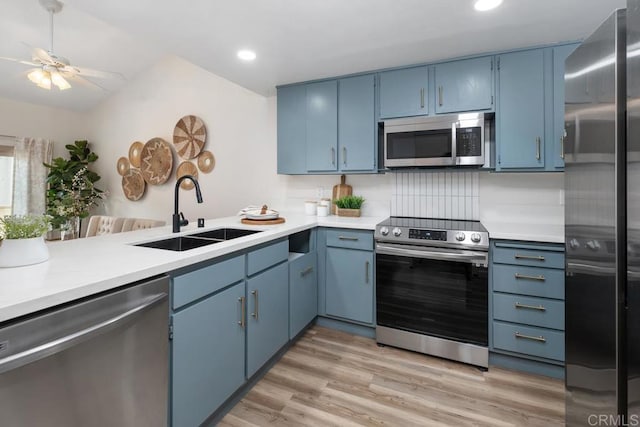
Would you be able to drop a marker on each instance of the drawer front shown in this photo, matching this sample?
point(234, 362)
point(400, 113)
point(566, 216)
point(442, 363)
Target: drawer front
point(350, 239)
point(528, 340)
point(533, 311)
point(263, 258)
point(541, 282)
point(527, 256)
point(191, 286)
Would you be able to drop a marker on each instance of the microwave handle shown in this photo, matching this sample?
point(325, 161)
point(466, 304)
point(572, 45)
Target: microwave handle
point(454, 153)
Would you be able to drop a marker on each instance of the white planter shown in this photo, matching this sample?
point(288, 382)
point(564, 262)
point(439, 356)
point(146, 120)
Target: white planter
point(17, 252)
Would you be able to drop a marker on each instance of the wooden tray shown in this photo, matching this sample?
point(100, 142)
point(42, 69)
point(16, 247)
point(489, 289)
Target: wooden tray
point(262, 222)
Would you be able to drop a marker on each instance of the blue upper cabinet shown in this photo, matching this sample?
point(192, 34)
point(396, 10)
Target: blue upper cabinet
point(404, 93)
point(322, 126)
point(356, 123)
point(560, 54)
point(465, 85)
point(520, 116)
point(292, 104)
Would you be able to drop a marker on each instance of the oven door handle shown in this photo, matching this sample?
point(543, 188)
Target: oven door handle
point(470, 257)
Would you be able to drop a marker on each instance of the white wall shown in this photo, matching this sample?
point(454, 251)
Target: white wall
point(241, 134)
point(25, 119)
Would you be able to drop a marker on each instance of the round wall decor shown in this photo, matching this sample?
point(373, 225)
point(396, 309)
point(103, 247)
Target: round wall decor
point(206, 161)
point(123, 166)
point(187, 168)
point(134, 153)
point(133, 185)
point(189, 137)
point(156, 161)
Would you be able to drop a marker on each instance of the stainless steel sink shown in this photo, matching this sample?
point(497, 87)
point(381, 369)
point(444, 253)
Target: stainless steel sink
point(197, 240)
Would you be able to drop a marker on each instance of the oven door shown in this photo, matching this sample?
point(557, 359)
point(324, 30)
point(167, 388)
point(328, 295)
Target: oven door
point(433, 291)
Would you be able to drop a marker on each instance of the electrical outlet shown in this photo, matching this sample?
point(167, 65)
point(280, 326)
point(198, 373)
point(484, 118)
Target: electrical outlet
point(320, 192)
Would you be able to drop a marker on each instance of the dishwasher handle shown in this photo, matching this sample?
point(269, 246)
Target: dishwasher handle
point(56, 346)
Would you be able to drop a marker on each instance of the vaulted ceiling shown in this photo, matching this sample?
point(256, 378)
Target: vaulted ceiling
point(295, 40)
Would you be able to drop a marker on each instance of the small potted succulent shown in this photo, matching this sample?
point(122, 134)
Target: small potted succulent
point(349, 205)
point(23, 240)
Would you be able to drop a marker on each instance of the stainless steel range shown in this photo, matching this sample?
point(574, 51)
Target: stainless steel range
point(432, 287)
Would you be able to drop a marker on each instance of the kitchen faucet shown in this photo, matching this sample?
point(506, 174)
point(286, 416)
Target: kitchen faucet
point(178, 218)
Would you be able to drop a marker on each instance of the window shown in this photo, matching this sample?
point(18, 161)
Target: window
point(6, 179)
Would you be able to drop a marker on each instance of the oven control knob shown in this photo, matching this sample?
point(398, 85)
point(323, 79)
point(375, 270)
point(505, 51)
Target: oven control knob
point(476, 237)
point(384, 231)
point(397, 232)
point(460, 236)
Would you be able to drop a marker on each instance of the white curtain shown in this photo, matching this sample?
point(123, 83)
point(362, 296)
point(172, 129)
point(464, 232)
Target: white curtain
point(30, 175)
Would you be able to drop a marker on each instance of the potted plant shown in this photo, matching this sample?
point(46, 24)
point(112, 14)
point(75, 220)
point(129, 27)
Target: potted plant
point(22, 240)
point(72, 192)
point(349, 205)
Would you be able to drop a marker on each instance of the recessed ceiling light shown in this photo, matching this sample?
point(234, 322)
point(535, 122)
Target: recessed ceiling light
point(246, 55)
point(482, 5)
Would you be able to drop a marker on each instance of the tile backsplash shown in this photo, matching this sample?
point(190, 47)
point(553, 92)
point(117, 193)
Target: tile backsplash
point(450, 194)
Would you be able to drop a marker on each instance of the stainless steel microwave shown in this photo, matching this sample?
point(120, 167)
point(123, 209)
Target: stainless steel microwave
point(446, 140)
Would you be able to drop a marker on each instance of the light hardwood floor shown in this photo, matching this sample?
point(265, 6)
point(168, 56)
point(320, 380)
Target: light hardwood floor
point(333, 378)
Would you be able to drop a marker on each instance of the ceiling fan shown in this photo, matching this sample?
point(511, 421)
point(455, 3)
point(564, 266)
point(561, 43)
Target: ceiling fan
point(54, 69)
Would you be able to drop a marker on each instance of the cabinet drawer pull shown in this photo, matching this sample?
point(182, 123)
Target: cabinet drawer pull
point(529, 337)
point(242, 309)
point(524, 276)
point(344, 156)
point(440, 95)
point(255, 296)
point(533, 257)
point(530, 307)
point(366, 272)
point(537, 148)
point(333, 156)
point(352, 239)
point(421, 97)
point(562, 147)
point(306, 271)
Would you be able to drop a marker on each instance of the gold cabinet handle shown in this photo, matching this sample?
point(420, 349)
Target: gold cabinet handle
point(530, 307)
point(242, 309)
point(344, 156)
point(306, 271)
point(538, 148)
point(421, 97)
point(255, 296)
point(526, 277)
point(529, 337)
point(533, 257)
point(333, 156)
point(353, 239)
point(366, 272)
point(562, 147)
point(440, 90)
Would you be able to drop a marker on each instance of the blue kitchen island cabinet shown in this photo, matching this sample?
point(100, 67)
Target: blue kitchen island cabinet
point(349, 275)
point(208, 349)
point(357, 139)
point(403, 92)
point(267, 315)
point(465, 85)
point(520, 116)
point(303, 292)
point(322, 126)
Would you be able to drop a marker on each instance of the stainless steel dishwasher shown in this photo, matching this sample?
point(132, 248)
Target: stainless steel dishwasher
point(99, 362)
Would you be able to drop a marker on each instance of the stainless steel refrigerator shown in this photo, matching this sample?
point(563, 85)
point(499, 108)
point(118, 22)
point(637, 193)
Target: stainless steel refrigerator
point(602, 224)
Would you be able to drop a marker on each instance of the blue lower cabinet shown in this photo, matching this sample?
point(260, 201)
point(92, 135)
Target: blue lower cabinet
point(349, 284)
point(207, 356)
point(267, 315)
point(303, 292)
point(533, 341)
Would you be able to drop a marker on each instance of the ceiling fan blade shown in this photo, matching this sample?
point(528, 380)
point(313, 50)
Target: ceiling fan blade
point(20, 61)
point(39, 54)
point(88, 72)
point(87, 82)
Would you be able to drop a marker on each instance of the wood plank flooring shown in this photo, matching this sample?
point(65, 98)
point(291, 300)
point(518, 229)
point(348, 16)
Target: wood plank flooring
point(330, 378)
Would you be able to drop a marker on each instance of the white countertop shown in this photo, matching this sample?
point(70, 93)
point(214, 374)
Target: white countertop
point(546, 233)
point(82, 267)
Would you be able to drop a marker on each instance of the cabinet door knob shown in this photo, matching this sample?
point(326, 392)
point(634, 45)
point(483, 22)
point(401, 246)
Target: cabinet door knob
point(344, 156)
point(530, 307)
point(538, 141)
point(562, 147)
point(529, 337)
point(366, 272)
point(440, 93)
point(524, 276)
point(421, 97)
point(255, 296)
point(242, 311)
point(306, 271)
point(333, 156)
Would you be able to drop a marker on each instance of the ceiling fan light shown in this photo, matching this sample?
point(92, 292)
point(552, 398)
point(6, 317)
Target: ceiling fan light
point(45, 81)
point(36, 75)
point(59, 81)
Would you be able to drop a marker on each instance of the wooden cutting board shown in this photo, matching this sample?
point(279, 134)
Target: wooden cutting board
point(279, 220)
point(340, 190)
